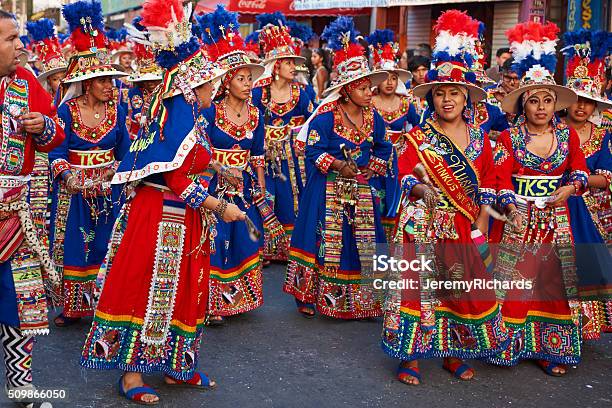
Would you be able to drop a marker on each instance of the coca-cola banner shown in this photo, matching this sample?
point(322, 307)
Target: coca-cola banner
point(287, 7)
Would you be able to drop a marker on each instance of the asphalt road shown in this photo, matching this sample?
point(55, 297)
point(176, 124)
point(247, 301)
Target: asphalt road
point(273, 357)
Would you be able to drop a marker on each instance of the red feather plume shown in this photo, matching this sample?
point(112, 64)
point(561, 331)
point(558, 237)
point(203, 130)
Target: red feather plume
point(274, 37)
point(82, 42)
point(223, 47)
point(353, 50)
point(47, 49)
point(158, 13)
point(142, 52)
point(594, 67)
point(384, 53)
point(532, 31)
point(457, 22)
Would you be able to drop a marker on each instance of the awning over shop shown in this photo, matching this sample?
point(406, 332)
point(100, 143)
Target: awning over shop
point(305, 5)
point(288, 8)
point(322, 4)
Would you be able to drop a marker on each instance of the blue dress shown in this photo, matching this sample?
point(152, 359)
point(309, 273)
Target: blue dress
point(284, 189)
point(388, 190)
point(81, 223)
point(593, 258)
point(235, 264)
point(338, 222)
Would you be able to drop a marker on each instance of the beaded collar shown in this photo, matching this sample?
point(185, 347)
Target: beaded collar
point(476, 135)
point(593, 145)
point(281, 109)
point(392, 116)
point(352, 135)
point(95, 134)
point(535, 162)
point(237, 132)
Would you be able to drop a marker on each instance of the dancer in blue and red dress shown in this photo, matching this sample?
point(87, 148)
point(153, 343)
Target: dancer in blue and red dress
point(539, 165)
point(443, 218)
point(151, 312)
point(393, 104)
point(237, 139)
point(339, 223)
point(28, 126)
point(585, 75)
point(83, 207)
point(285, 106)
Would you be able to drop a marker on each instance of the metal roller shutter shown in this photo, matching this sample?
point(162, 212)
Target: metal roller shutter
point(506, 16)
point(418, 25)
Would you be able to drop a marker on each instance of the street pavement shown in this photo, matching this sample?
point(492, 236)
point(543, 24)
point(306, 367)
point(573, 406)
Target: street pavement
point(273, 357)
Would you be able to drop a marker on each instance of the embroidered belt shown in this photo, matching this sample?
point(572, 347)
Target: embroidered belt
point(232, 157)
point(275, 134)
point(533, 187)
point(91, 158)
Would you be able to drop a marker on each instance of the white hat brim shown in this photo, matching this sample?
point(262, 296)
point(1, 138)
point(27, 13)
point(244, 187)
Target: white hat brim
point(43, 76)
point(376, 77)
point(114, 74)
point(476, 93)
point(565, 97)
point(299, 60)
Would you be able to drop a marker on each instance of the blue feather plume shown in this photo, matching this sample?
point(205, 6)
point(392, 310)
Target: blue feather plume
point(25, 40)
point(548, 61)
point(600, 42)
point(301, 31)
point(168, 59)
point(253, 37)
point(335, 31)
point(381, 37)
point(212, 21)
point(84, 8)
point(41, 29)
point(136, 22)
point(481, 30)
point(276, 18)
point(63, 37)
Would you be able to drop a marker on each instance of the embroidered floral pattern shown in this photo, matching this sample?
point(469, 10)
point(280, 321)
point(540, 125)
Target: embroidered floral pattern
point(194, 195)
point(505, 197)
point(324, 161)
point(281, 109)
point(500, 154)
point(89, 134)
point(237, 132)
point(352, 135)
point(47, 134)
point(531, 160)
point(593, 145)
point(392, 116)
point(377, 165)
point(486, 196)
point(313, 137)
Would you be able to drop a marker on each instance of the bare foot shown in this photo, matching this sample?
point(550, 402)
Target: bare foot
point(133, 380)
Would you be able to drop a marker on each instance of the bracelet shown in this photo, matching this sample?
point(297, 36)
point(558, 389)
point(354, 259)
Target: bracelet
point(512, 214)
point(221, 207)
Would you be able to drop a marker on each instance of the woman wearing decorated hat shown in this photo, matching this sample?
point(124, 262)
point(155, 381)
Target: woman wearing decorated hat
point(302, 34)
point(45, 45)
point(122, 57)
point(145, 78)
point(83, 207)
point(285, 106)
point(538, 166)
point(237, 138)
point(338, 223)
point(151, 311)
point(585, 75)
point(446, 172)
point(393, 104)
